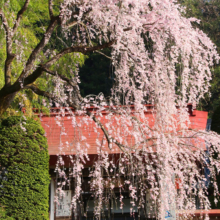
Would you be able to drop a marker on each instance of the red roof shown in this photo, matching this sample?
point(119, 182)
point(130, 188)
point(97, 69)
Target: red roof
point(63, 135)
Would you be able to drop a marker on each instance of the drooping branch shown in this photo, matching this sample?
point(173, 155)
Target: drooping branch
point(77, 96)
point(103, 54)
point(110, 139)
point(69, 81)
point(19, 15)
point(71, 24)
point(79, 49)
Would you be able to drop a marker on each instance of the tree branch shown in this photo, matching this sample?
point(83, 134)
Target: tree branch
point(4, 21)
point(71, 24)
point(110, 140)
point(78, 98)
point(64, 78)
point(19, 15)
point(10, 56)
point(40, 92)
point(19, 84)
point(8, 61)
point(50, 5)
point(54, 21)
point(103, 54)
point(48, 95)
point(79, 49)
point(127, 29)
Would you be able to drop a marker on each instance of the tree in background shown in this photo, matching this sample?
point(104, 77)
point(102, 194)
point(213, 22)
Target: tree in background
point(29, 33)
point(158, 57)
point(24, 165)
point(208, 12)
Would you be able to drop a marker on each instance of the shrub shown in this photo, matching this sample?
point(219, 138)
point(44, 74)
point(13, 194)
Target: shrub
point(3, 214)
point(24, 163)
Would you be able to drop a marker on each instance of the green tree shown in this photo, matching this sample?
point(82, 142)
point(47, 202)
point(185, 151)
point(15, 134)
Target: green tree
point(32, 19)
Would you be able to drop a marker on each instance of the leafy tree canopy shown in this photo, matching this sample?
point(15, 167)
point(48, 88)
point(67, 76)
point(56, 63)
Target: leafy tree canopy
point(33, 24)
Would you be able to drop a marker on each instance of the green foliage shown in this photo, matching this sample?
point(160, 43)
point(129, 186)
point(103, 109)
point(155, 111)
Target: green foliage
point(24, 163)
point(215, 126)
point(3, 214)
point(33, 22)
point(32, 27)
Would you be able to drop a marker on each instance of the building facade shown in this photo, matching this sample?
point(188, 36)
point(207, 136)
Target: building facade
point(60, 130)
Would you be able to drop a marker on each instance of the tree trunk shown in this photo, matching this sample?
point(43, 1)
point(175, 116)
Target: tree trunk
point(5, 102)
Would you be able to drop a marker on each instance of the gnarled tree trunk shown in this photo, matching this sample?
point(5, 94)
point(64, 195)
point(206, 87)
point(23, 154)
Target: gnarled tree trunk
point(5, 102)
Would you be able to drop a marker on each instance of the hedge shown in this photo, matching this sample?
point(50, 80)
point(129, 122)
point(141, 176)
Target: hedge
point(24, 164)
point(3, 214)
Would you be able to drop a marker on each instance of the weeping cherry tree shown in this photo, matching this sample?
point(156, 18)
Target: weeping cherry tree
point(159, 58)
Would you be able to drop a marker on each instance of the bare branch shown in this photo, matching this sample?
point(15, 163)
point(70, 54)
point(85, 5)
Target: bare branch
point(127, 29)
point(69, 81)
point(71, 24)
point(39, 47)
point(79, 49)
point(40, 92)
point(10, 56)
point(19, 15)
point(110, 140)
point(50, 4)
point(4, 21)
point(103, 54)
point(77, 96)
